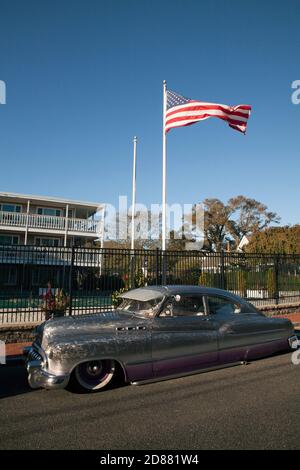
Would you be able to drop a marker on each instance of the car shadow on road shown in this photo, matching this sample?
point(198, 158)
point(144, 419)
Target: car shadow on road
point(13, 381)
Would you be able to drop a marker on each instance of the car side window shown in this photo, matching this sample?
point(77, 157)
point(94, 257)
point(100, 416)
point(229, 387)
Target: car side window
point(184, 306)
point(221, 305)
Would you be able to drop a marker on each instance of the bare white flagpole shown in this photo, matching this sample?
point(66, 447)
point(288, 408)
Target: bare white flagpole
point(133, 193)
point(164, 169)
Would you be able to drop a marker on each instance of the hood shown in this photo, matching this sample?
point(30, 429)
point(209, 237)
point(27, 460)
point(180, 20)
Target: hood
point(66, 328)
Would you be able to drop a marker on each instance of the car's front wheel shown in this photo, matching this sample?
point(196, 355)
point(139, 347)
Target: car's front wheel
point(94, 375)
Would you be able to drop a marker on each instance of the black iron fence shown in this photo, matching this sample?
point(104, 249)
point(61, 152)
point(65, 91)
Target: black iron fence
point(37, 282)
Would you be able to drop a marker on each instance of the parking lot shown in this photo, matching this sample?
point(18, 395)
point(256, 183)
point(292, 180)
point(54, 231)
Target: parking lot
point(244, 407)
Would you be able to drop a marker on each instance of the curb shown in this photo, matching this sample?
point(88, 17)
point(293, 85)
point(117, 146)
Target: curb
point(14, 352)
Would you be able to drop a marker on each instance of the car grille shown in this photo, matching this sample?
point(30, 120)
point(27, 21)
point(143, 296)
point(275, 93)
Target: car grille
point(34, 356)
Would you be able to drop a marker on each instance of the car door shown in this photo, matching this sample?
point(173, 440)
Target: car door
point(184, 338)
point(242, 331)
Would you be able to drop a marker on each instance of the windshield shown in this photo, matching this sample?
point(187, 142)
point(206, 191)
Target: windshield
point(145, 308)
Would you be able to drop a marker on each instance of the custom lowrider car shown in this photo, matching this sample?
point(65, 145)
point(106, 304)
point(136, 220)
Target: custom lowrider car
point(156, 332)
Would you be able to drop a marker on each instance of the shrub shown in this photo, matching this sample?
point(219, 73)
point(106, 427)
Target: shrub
point(55, 304)
point(108, 282)
point(191, 276)
point(271, 283)
point(242, 283)
point(115, 297)
point(206, 279)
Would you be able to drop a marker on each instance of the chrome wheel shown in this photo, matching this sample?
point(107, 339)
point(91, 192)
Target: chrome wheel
point(94, 375)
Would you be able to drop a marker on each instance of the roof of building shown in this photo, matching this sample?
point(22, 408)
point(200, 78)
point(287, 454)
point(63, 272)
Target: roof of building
point(21, 198)
point(243, 242)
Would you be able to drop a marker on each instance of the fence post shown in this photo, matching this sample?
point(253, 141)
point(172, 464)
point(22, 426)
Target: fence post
point(276, 273)
point(157, 265)
point(132, 269)
point(71, 280)
point(163, 267)
point(222, 270)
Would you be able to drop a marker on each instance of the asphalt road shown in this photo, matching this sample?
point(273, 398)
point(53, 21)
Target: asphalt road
point(254, 406)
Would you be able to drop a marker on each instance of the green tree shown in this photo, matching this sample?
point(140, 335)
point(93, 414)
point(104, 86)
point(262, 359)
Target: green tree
point(216, 223)
point(285, 240)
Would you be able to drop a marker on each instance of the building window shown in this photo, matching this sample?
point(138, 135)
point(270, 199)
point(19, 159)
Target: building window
point(9, 240)
point(70, 213)
point(42, 275)
point(35, 277)
point(10, 208)
point(49, 211)
point(8, 276)
point(42, 241)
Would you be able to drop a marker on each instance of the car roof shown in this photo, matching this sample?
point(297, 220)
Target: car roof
point(163, 290)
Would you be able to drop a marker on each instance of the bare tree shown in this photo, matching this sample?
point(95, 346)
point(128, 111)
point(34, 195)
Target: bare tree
point(249, 216)
point(240, 216)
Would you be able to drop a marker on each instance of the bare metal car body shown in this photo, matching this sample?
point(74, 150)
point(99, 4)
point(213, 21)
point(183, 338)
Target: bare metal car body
point(166, 344)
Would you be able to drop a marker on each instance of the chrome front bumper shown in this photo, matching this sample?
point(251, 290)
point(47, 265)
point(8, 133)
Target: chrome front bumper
point(38, 377)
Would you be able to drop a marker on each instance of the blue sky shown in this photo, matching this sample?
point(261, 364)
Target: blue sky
point(84, 77)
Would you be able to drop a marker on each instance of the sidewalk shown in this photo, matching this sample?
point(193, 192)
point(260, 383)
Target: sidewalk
point(15, 350)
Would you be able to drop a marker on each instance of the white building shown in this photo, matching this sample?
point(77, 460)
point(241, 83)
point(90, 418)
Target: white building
point(48, 221)
point(31, 227)
point(244, 242)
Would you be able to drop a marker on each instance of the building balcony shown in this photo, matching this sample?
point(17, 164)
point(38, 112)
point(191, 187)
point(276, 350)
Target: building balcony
point(50, 256)
point(49, 224)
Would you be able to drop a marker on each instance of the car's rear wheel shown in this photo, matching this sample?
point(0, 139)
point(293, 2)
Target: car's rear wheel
point(94, 375)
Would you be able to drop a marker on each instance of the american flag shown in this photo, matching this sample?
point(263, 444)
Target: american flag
point(183, 111)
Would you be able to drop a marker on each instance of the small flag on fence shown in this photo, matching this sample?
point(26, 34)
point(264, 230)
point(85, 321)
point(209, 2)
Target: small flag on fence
point(181, 111)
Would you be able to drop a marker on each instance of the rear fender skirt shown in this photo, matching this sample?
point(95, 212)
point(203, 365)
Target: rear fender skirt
point(262, 350)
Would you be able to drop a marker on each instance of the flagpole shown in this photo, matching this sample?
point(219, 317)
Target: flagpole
point(164, 169)
point(133, 193)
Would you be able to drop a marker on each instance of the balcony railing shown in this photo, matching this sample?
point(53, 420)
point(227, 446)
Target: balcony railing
point(83, 225)
point(36, 221)
point(51, 256)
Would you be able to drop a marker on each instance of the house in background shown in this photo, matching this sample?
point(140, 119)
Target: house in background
point(48, 221)
point(36, 236)
point(244, 242)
